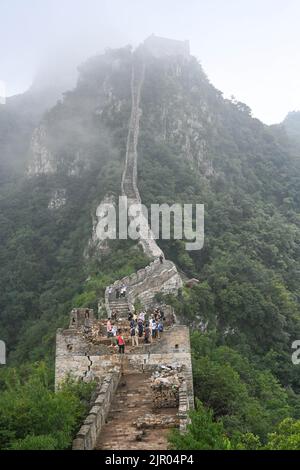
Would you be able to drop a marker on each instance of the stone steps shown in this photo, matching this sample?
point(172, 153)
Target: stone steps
point(120, 306)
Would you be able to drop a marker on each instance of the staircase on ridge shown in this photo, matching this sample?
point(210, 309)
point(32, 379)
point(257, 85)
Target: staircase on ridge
point(154, 281)
point(160, 277)
point(120, 306)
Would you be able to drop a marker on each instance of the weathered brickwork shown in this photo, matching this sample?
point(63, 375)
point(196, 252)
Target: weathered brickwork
point(83, 360)
point(87, 435)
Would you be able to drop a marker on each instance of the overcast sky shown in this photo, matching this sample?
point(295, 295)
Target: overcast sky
point(248, 48)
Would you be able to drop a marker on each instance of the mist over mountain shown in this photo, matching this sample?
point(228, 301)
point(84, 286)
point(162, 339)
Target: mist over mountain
point(19, 117)
point(61, 154)
point(292, 125)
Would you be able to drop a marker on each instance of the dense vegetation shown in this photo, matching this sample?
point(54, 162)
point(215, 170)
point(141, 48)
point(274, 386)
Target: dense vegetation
point(246, 306)
point(239, 405)
point(292, 125)
point(33, 416)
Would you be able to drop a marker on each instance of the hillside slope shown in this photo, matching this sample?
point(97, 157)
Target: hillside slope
point(194, 147)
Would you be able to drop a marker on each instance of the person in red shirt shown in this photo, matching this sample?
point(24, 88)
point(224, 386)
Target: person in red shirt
point(121, 342)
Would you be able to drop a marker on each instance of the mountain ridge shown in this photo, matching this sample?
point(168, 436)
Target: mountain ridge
point(194, 147)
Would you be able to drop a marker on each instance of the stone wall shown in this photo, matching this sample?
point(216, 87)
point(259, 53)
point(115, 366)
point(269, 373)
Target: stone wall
point(165, 279)
point(83, 360)
point(165, 385)
point(184, 407)
point(87, 435)
point(149, 421)
point(145, 283)
point(78, 358)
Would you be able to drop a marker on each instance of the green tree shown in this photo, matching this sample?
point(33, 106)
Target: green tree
point(286, 436)
point(31, 413)
point(202, 434)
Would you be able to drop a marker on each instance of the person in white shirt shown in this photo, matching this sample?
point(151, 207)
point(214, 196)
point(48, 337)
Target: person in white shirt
point(154, 328)
point(142, 316)
point(114, 330)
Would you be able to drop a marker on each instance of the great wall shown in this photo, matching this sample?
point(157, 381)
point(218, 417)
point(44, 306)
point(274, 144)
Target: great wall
point(143, 393)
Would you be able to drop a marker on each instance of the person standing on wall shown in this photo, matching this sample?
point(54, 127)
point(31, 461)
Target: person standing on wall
point(108, 328)
point(134, 334)
point(154, 328)
point(160, 328)
point(121, 342)
point(140, 327)
point(147, 334)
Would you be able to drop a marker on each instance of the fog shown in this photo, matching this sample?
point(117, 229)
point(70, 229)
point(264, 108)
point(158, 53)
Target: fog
point(248, 48)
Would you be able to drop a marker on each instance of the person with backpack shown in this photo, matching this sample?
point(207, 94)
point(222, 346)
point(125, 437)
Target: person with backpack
point(140, 327)
point(149, 323)
point(134, 335)
point(121, 342)
point(160, 328)
point(147, 334)
point(130, 315)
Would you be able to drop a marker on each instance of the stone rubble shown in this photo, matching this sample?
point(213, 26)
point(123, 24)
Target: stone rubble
point(149, 421)
point(165, 385)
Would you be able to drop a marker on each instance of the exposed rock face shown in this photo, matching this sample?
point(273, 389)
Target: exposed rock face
point(175, 107)
point(178, 114)
point(97, 243)
point(42, 161)
point(58, 199)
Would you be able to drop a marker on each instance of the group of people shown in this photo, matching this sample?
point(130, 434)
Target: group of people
point(119, 291)
point(122, 290)
point(143, 327)
point(114, 332)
